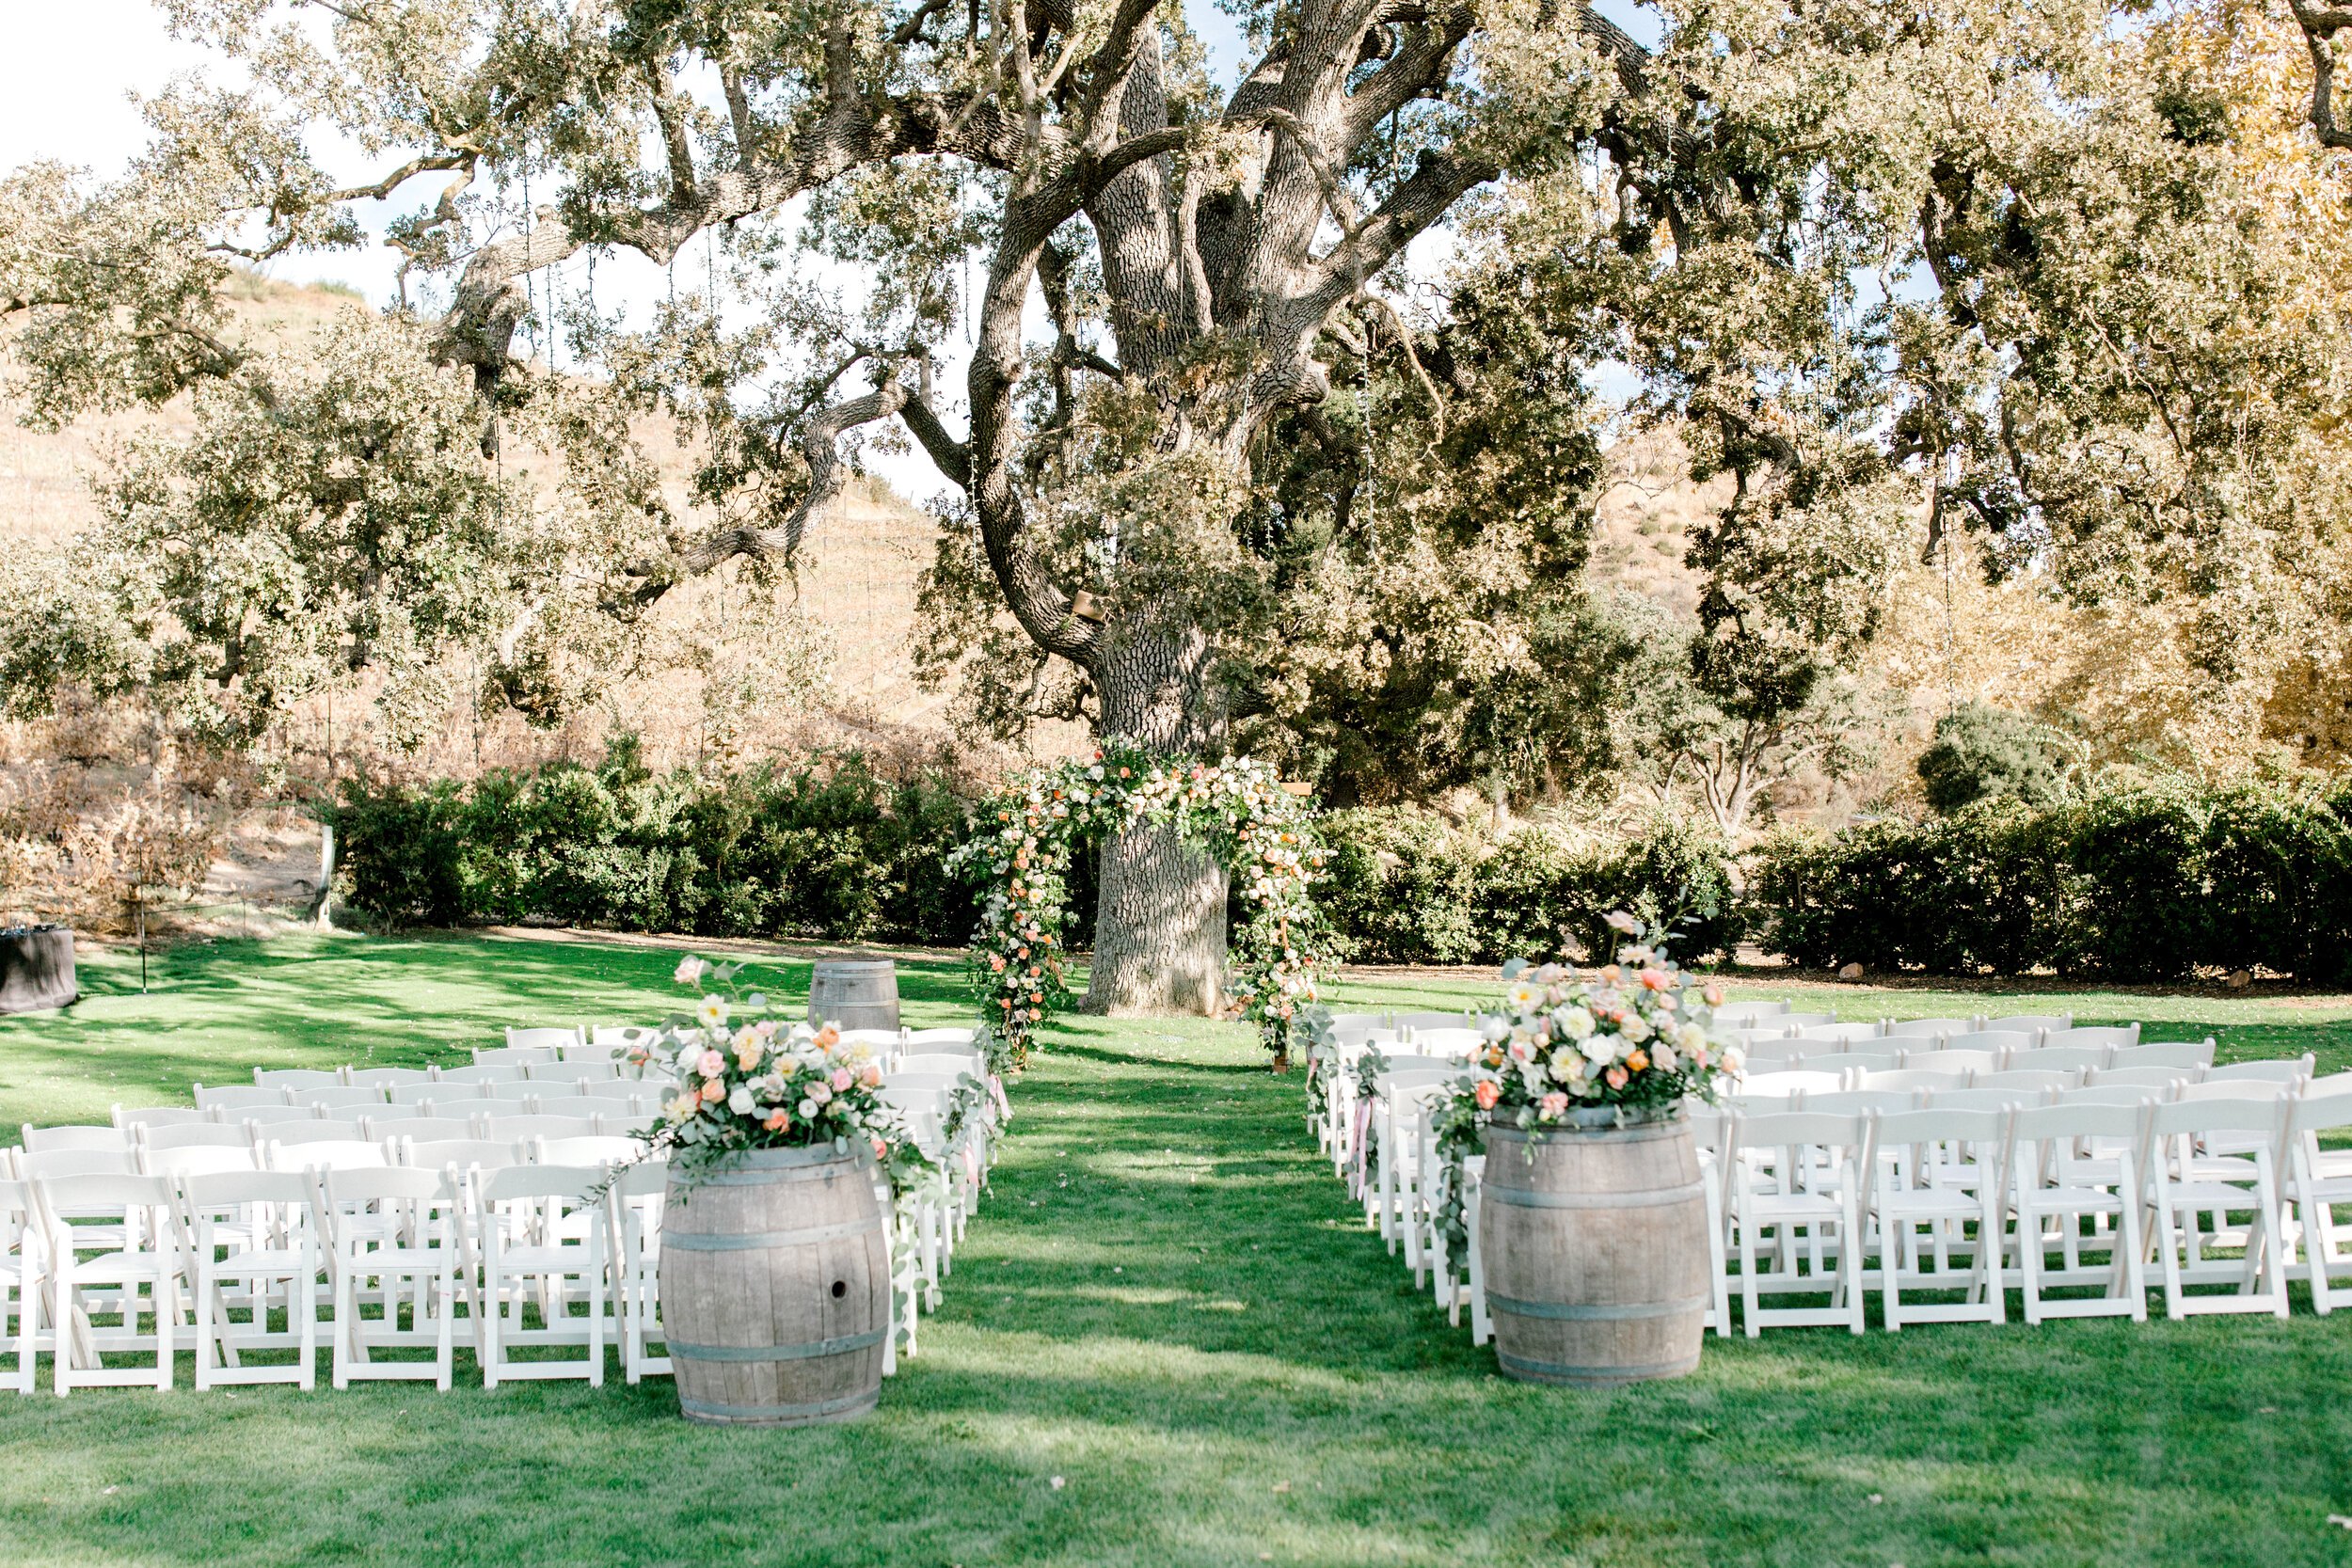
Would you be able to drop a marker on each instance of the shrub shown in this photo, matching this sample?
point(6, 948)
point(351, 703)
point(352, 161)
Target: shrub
point(1984, 752)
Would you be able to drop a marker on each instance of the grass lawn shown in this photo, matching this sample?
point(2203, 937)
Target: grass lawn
point(1168, 1340)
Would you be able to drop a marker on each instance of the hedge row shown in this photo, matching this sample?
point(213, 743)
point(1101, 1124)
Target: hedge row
point(2139, 885)
point(2148, 884)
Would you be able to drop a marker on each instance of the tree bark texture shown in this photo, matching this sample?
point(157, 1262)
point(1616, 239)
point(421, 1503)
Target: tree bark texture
point(1159, 945)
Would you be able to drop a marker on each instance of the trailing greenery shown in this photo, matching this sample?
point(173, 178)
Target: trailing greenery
point(2136, 884)
point(829, 849)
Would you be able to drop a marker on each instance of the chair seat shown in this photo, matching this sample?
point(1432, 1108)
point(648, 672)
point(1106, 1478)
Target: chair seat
point(2210, 1195)
point(544, 1259)
point(124, 1268)
point(265, 1260)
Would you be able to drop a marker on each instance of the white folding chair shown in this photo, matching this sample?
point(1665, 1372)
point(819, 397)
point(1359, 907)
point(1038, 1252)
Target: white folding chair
point(542, 1243)
point(465, 1153)
point(163, 1115)
point(1999, 1044)
point(2316, 1181)
point(1795, 1215)
point(618, 1036)
point(1845, 1034)
point(1845, 1061)
point(269, 1117)
point(1417, 1021)
point(2287, 1071)
point(519, 1092)
point(391, 1234)
point(2076, 1059)
point(1952, 1063)
point(552, 1073)
point(417, 1129)
point(1793, 1022)
point(342, 1150)
point(516, 1056)
point(2028, 1084)
point(1758, 1087)
point(549, 1040)
point(1911, 1080)
point(2032, 1025)
point(424, 1093)
point(256, 1230)
point(639, 1191)
point(2121, 1037)
point(1739, 1015)
point(2161, 1081)
point(352, 1099)
point(1944, 1177)
point(2068, 1164)
point(489, 1072)
point(2183, 1183)
point(23, 1280)
point(196, 1135)
point(128, 1267)
point(508, 1129)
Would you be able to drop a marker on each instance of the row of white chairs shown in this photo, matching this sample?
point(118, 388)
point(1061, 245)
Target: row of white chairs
point(1402, 1182)
point(1770, 1020)
point(2005, 1051)
point(137, 1231)
point(527, 1046)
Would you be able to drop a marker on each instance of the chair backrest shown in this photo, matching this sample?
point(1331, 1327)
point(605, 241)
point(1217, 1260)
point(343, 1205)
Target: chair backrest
point(943, 1082)
point(1404, 1080)
point(383, 1077)
point(1445, 1042)
point(1767, 1036)
point(1926, 1028)
point(197, 1135)
point(1421, 1062)
point(940, 1036)
point(2321, 1109)
point(2134, 1094)
point(1845, 1032)
point(307, 1134)
point(512, 1055)
point(619, 1036)
point(2029, 1023)
point(1909, 1080)
point(60, 1163)
point(486, 1073)
point(2181, 1053)
point(2077, 1060)
point(2070, 1119)
point(1806, 1020)
point(465, 1153)
point(238, 1097)
point(1941, 1124)
point(2139, 1077)
point(1782, 1128)
point(1781, 1047)
point(1978, 1100)
point(2287, 1071)
point(600, 1105)
point(547, 1040)
point(519, 1129)
point(65, 1193)
point(571, 1072)
point(1780, 1085)
point(271, 1116)
point(295, 1077)
point(2229, 1114)
point(1996, 1042)
point(427, 1092)
point(592, 1150)
point(1418, 1022)
point(1733, 1015)
point(42, 1139)
point(516, 1091)
point(213, 1191)
point(2231, 1089)
point(523, 1183)
point(329, 1156)
point(349, 1186)
point(1952, 1063)
point(424, 1129)
point(352, 1097)
point(163, 1116)
point(2027, 1081)
point(1852, 1103)
point(946, 1062)
point(2098, 1036)
point(1845, 1061)
point(199, 1160)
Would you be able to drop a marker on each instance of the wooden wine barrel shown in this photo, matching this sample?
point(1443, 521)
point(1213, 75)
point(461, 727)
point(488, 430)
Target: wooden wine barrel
point(856, 994)
point(1594, 1250)
point(775, 1288)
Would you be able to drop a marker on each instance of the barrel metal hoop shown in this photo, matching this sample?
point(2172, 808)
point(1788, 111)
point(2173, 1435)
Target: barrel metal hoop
point(1594, 1374)
point(809, 1351)
point(1526, 1198)
point(778, 1412)
point(751, 1240)
point(1561, 1311)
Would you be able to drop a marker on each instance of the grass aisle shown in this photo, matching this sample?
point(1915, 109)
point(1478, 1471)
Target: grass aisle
point(1168, 1303)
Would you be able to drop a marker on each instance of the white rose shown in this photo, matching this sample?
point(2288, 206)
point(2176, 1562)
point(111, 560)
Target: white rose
point(1689, 1037)
point(1575, 1023)
point(1494, 1026)
point(1635, 1028)
point(1598, 1048)
point(739, 1100)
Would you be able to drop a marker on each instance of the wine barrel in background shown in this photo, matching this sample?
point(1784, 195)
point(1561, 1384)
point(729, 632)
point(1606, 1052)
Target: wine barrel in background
point(36, 969)
point(856, 994)
point(775, 1288)
point(1594, 1239)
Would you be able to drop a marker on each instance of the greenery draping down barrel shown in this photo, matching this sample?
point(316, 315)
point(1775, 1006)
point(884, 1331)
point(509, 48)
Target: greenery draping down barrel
point(1237, 809)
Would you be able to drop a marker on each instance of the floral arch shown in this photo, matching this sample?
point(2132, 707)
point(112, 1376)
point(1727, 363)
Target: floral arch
point(1237, 809)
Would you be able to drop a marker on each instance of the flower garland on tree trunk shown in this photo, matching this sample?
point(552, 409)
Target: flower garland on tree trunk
point(1237, 809)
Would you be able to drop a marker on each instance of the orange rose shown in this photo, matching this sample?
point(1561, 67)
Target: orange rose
point(1487, 1092)
point(1638, 1060)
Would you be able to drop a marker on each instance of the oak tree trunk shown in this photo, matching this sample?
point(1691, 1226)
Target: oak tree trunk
point(1159, 933)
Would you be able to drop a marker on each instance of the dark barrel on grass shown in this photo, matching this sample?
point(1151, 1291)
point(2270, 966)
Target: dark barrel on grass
point(1594, 1240)
point(775, 1288)
point(856, 994)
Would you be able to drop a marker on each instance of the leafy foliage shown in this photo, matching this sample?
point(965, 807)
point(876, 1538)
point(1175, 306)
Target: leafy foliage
point(1985, 752)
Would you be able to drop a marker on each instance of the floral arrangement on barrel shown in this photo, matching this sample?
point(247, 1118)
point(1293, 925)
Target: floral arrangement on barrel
point(1635, 1038)
point(747, 1079)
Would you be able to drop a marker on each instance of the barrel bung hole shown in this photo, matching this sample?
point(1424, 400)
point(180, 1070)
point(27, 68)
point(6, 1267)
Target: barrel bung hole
point(840, 1289)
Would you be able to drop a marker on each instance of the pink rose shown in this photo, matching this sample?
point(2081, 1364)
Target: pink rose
point(712, 1064)
point(1486, 1094)
point(1618, 1076)
point(1553, 1105)
point(871, 1077)
point(841, 1079)
point(821, 1091)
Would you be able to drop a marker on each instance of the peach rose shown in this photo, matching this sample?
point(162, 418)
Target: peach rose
point(1487, 1092)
